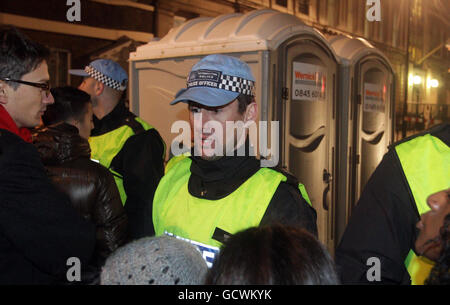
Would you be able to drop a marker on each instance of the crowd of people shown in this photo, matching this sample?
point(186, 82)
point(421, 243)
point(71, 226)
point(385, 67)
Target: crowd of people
point(83, 177)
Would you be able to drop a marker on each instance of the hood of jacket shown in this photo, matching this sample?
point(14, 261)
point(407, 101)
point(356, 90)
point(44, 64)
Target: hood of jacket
point(60, 143)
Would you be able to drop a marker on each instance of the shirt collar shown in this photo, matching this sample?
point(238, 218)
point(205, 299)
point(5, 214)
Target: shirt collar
point(6, 122)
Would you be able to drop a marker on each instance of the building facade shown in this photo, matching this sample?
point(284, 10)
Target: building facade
point(113, 28)
point(422, 94)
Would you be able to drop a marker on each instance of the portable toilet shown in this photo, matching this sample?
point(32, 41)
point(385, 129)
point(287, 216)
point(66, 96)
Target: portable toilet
point(366, 94)
point(295, 71)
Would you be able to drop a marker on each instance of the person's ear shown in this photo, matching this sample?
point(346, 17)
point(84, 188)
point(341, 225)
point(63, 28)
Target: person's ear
point(3, 93)
point(251, 113)
point(73, 122)
point(98, 88)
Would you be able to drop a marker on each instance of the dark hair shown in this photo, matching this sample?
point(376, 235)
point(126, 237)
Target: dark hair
point(243, 101)
point(70, 103)
point(273, 255)
point(440, 274)
point(18, 54)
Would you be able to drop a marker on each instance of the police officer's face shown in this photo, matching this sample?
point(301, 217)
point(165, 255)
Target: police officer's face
point(427, 243)
point(215, 117)
point(88, 85)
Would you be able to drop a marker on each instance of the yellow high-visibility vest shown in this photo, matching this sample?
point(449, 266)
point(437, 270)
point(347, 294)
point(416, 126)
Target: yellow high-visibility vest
point(425, 162)
point(176, 212)
point(106, 146)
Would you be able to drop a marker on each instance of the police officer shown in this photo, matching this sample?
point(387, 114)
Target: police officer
point(214, 193)
point(130, 147)
point(383, 224)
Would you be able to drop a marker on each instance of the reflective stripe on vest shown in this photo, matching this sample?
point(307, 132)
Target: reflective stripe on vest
point(425, 161)
point(106, 146)
point(176, 212)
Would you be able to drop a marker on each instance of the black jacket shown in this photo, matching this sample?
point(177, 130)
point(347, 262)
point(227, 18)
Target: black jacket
point(383, 224)
point(141, 164)
point(39, 230)
point(89, 185)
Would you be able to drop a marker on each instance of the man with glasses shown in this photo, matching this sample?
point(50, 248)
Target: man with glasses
point(39, 230)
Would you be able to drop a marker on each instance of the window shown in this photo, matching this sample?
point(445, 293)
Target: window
point(343, 14)
point(58, 67)
point(283, 3)
point(285, 6)
point(321, 11)
point(303, 6)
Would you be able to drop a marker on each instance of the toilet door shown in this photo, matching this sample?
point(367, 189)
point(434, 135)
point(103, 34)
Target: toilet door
point(309, 127)
point(373, 120)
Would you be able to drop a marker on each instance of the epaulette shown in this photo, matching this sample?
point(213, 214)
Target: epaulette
point(291, 179)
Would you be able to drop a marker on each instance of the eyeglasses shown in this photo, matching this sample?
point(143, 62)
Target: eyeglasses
point(43, 86)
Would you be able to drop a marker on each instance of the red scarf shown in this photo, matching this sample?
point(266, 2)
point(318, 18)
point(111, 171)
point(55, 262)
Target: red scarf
point(6, 122)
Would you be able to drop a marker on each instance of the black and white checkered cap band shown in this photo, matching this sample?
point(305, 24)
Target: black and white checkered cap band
point(223, 81)
point(108, 81)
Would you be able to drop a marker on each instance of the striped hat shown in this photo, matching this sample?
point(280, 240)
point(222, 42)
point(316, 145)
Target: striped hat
point(105, 71)
point(217, 80)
